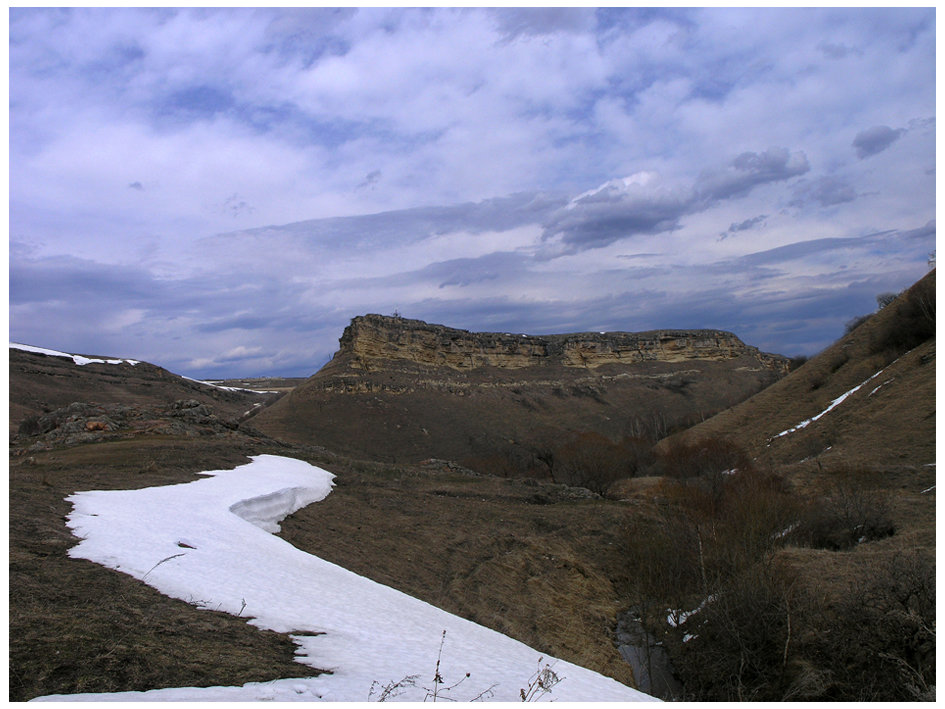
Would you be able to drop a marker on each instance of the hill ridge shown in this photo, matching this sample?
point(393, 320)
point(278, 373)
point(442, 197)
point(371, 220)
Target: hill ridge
point(371, 339)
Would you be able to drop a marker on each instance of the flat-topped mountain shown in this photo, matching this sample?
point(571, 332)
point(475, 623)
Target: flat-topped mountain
point(402, 390)
point(372, 340)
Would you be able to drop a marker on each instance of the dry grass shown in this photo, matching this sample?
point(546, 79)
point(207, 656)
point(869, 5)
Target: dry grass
point(516, 556)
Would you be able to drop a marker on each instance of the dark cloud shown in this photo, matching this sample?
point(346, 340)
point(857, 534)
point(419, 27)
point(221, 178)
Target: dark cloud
point(601, 219)
point(892, 242)
point(923, 232)
point(370, 180)
point(534, 21)
point(825, 191)
point(406, 226)
point(875, 140)
point(799, 250)
point(69, 279)
point(749, 170)
point(196, 102)
point(619, 210)
point(744, 226)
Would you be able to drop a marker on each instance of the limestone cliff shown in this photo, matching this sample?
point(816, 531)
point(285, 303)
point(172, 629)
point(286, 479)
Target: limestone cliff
point(372, 342)
point(400, 389)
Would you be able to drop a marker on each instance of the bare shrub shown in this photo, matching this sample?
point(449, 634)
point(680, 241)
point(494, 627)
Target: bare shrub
point(880, 641)
point(847, 514)
point(914, 320)
point(707, 456)
point(590, 460)
point(738, 646)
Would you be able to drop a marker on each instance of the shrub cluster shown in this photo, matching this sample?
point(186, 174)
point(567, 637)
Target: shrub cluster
point(914, 320)
point(740, 624)
point(700, 458)
point(594, 461)
point(847, 515)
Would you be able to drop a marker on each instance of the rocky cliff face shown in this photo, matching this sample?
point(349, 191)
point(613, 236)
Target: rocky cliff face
point(371, 342)
point(404, 390)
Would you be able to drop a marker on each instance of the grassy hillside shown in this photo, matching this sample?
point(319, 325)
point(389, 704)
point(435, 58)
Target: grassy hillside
point(888, 421)
point(802, 527)
point(41, 384)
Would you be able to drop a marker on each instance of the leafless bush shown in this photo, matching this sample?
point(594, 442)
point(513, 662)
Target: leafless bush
point(704, 457)
point(914, 320)
point(880, 640)
point(590, 460)
point(848, 514)
point(739, 645)
point(539, 684)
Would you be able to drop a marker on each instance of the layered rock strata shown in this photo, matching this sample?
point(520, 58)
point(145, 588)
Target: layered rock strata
point(372, 341)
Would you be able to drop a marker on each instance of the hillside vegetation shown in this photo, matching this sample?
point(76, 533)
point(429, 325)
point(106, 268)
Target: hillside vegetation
point(796, 531)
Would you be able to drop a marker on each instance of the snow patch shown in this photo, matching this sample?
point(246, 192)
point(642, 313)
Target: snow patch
point(78, 359)
point(226, 388)
point(833, 404)
point(267, 511)
point(677, 617)
point(206, 540)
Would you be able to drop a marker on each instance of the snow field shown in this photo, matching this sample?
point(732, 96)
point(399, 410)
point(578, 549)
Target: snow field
point(209, 543)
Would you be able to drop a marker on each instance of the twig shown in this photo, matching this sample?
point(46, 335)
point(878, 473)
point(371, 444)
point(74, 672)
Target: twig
point(161, 562)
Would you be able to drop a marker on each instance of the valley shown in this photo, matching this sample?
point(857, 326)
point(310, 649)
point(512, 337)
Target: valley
point(541, 487)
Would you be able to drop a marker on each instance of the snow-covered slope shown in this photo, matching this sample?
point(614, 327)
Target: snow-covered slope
point(209, 543)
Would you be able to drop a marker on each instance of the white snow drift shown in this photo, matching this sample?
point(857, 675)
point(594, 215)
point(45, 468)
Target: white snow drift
point(78, 359)
point(208, 542)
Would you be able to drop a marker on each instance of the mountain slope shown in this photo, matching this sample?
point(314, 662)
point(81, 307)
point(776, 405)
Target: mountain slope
point(42, 381)
point(403, 391)
point(869, 399)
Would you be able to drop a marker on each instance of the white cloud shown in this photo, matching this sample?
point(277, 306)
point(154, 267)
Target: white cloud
point(136, 135)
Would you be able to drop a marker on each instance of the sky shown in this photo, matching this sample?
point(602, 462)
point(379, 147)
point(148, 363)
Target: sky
point(212, 543)
point(219, 191)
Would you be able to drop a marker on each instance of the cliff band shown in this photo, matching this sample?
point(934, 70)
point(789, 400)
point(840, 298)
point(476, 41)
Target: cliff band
point(371, 340)
point(402, 390)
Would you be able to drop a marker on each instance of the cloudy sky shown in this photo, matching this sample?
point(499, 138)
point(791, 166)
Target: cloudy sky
point(220, 191)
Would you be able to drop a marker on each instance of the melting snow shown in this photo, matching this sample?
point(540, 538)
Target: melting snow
point(78, 359)
point(226, 388)
point(833, 404)
point(677, 617)
point(210, 540)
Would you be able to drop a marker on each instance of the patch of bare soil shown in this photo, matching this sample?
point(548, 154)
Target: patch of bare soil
point(79, 627)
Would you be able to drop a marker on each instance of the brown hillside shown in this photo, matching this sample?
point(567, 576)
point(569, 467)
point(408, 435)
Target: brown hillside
point(41, 384)
point(886, 369)
point(404, 391)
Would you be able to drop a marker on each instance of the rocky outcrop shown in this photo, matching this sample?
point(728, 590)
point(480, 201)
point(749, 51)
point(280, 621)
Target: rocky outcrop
point(90, 422)
point(371, 342)
point(405, 390)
